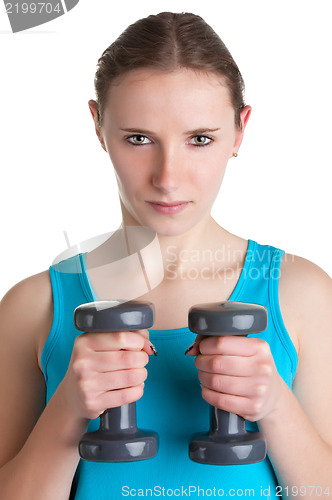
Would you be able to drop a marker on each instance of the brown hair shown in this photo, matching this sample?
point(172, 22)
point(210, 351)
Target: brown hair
point(168, 41)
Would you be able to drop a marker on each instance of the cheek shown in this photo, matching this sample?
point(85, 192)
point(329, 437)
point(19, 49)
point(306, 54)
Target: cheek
point(128, 169)
point(210, 175)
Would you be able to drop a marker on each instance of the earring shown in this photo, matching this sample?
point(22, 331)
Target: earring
point(235, 155)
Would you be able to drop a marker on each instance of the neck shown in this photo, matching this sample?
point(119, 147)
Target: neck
point(135, 260)
point(205, 243)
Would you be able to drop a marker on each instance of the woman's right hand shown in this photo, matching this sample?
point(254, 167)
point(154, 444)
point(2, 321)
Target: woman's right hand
point(106, 370)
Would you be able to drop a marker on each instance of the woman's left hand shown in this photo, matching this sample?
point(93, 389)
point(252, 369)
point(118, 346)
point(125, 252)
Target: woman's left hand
point(238, 375)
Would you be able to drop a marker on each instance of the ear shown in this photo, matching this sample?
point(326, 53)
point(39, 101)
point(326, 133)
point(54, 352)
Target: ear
point(244, 117)
point(93, 106)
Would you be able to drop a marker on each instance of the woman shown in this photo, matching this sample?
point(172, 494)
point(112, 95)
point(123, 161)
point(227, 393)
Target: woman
point(170, 114)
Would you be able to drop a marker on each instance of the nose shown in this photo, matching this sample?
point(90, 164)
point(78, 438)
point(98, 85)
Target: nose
point(168, 172)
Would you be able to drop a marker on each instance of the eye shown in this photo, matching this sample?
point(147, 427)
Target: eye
point(200, 140)
point(138, 140)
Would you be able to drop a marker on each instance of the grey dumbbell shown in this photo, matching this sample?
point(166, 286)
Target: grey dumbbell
point(227, 442)
point(118, 438)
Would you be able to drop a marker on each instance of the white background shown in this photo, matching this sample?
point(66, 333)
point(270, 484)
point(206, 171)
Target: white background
point(55, 177)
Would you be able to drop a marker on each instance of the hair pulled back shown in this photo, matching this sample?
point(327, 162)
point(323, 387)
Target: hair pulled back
point(169, 41)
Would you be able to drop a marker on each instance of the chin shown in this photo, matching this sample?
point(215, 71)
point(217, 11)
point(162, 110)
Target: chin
point(169, 228)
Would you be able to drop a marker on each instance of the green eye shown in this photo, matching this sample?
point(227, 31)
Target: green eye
point(138, 139)
point(200, 140)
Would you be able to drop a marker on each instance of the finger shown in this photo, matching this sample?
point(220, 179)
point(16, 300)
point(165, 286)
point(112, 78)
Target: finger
point(144, 332)
point(236, 386)
point(113, 399)
point(111, 361)
point(120, 379)
point(149, 348)
point(238, 366)
point(232, 345)
point(111, 341)
point(233, 404)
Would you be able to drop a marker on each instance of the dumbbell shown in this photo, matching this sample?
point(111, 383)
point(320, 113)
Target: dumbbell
point(227, 442)
point(118, 439)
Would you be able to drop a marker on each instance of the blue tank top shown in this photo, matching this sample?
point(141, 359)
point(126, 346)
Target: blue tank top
point(171, 404)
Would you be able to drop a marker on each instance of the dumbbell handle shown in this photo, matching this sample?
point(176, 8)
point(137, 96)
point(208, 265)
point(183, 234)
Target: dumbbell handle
point(119, 419)
point(224, 423)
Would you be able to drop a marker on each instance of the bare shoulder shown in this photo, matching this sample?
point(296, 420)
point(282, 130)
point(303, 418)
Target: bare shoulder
point(26, 311)
point(26, 315)
point(305, 295)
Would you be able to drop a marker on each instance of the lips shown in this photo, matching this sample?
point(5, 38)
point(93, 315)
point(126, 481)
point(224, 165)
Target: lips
point(172, 204)
point(171, 208)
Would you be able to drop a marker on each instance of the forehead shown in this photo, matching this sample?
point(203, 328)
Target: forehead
point(163, 94)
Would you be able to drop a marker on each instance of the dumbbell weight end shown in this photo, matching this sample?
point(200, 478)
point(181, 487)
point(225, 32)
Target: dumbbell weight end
point(118, 438)
point(227, 442)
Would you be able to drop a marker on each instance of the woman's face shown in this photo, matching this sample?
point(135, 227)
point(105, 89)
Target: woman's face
point(169, 137)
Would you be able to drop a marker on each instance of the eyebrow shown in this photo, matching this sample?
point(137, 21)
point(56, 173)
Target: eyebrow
point(197, 131)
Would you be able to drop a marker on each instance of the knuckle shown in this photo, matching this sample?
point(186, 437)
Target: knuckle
point(264, 348)
point(121, 398)
point(134, 359)
point(91, 406)
point(258, 406)
point(81, 342)
point(80, 367)
point(128, 395)
point(121, 339)
point(266, 369)
point(124, 339)
point(216, 364)
point(219, 342)
point(261, 390)
point(216, 382)
point(221, 401)
point(132, 378)
point(255, 408)
point(85, 388)
point(124, 358)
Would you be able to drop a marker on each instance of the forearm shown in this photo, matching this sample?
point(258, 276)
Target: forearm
point(45, 466)
point(300, 457)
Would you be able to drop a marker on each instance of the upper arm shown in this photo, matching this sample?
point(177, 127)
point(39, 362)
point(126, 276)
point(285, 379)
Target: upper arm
point(305, 293)
point(26, 314)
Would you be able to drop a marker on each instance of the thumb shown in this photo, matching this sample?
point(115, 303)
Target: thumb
point(148, 347)
point(193, 349)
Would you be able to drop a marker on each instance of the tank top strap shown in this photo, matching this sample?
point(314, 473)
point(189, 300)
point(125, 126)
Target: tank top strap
point(69, 290)
point(260, 285)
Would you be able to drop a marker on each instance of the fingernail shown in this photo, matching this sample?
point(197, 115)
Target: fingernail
point(190, 348)
point(154, 350)
point(143, 384)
